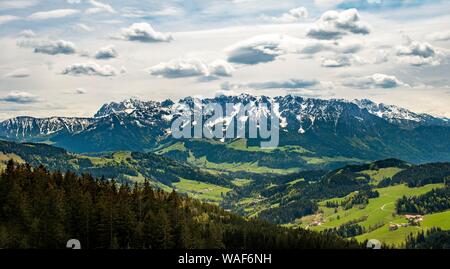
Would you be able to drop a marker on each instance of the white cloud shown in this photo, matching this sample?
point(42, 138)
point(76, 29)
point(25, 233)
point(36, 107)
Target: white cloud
point(341, 60)
point(27, 34)
point(328, 3)
point(17, 4)
point(267, 48)
point(439, 36)
point(49, 46)
point(220, 68)
point(144, 32)
point(293, 15)
point(131, 12)
point(261, 49)
point(282, 84)
point(8, 18)
point(418, 54)
point(337, 61)
point(107, 52)
point(424, 50)
point(381, 56)
point(99, 7)
point(53, 14)
point(375, 81)
point(19, 97)
point(317, 46)
point(334, 25)
point(18, 73)
point(89, 69)
point(83, 27)
point(180, 68)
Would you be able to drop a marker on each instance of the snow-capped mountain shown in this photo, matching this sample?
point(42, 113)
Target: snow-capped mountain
point(24, 128)
point(359, 128)
point(398, 115)
point(292, 111)
point(129, 106)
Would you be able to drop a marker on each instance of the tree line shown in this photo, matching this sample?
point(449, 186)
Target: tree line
point(42, 209)
point(420, 175)
point(435, 238)
point(436, 200)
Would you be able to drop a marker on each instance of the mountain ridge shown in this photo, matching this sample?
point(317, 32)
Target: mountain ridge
point(393, 114)
point(352, 129)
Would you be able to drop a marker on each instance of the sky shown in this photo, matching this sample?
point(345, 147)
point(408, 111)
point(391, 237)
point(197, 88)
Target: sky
point(68, 57)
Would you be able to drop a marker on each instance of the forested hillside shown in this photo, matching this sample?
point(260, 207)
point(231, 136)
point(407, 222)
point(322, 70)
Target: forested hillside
point(122, 166)
point(432, 239)
point(42, 209)
point(434, 201)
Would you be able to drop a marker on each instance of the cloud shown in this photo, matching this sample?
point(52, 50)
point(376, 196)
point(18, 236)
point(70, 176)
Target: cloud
point(8, 18)
point(328, 3)
point(89, 69)
point(27, 34)
point(83, 27)
point(377, 4)
point(439, 36)
point(79, 91)
point(338, 61)
point(381, 56)
point(181, 68)
point(334, 25)
point(424, 50)
point(49, 46)
point(18, 73)
point(220, 68)
point(375, 81)
point(418, 54)
point(99, 7)
point(289, 84)
point(19, 97)
point(267, 48)
point(53, 14)
point(317, 46)
point(261, 49)
point(144, 32)
point(107, 52)
point(293, 15)
point(131, 12)
point(17, 4)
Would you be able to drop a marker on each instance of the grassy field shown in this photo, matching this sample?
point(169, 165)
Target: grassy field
point(380, 174)
point(293, 182)
point(241, 182)
point(441, 219)
point(4, 158)
point(200, 190)
point(176, 146)
point(252, 167)
point(324, 160)
point(241, 144)
point(377, 215)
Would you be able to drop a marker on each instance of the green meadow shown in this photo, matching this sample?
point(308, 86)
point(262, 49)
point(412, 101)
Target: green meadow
point(377, 215)
point(200, 190)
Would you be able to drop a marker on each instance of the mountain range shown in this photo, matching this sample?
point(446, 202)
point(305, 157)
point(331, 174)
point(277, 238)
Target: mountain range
point(309, 129)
